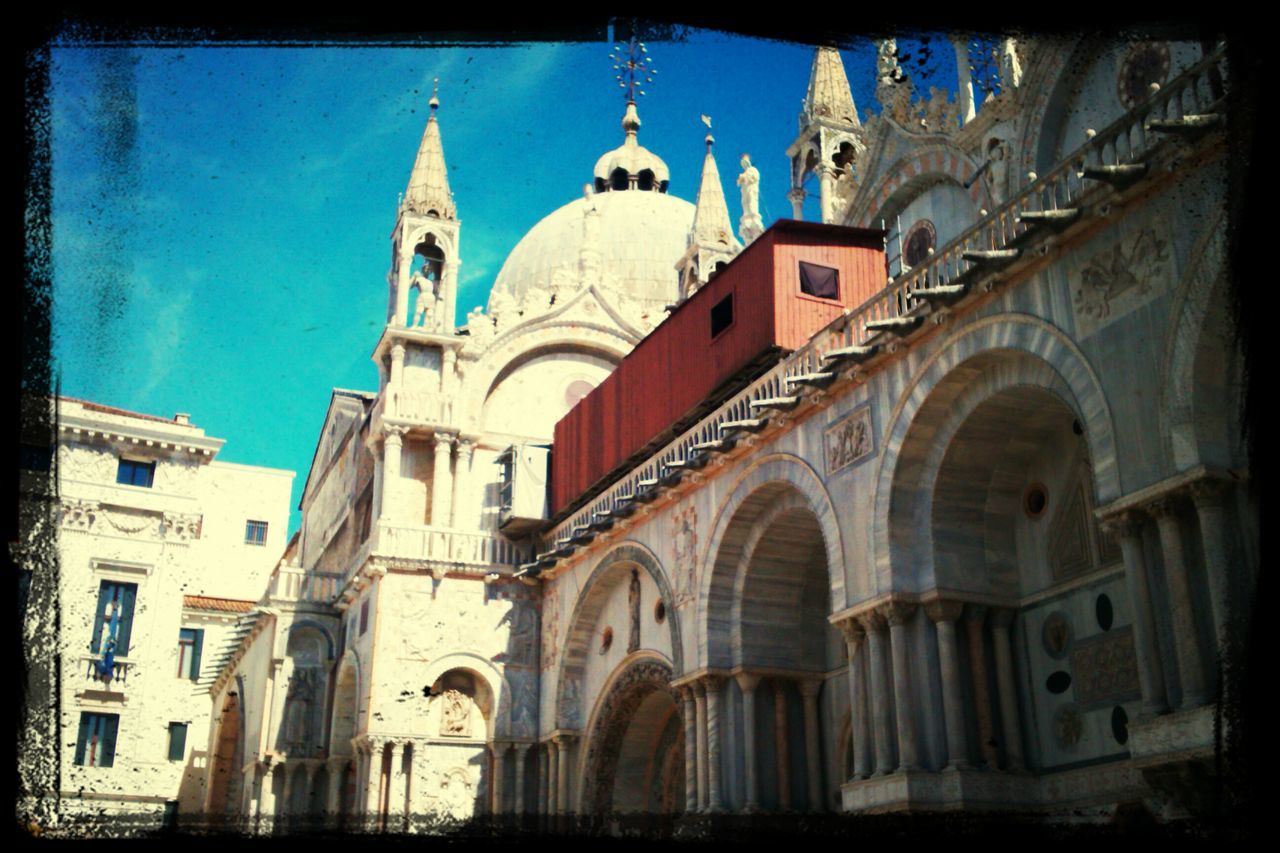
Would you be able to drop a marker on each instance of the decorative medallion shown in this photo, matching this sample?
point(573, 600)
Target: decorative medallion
point(849, 441)
point(1120, 278)
point(1068, 727)
point(1106, 669)
point(1145, 63)
point(919, 242)
point(1056, 636)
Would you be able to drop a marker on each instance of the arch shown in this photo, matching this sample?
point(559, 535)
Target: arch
point(918, 170)
point(444, 240)
point(993, 354)
point(1046, 78)
point(228, 758)
point(636, 707)
point(344, 719)
point(311, 623)
point(497, 724)
point(764, 480)
point(612, 565)
point(1199, 304)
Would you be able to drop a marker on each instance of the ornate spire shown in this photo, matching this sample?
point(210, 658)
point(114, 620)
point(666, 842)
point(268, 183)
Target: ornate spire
point(711, 224)
point(428, 190)
point(829, 95)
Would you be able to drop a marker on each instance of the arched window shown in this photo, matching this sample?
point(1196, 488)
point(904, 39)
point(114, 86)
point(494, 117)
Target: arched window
point(620, 180)
point(645, 181)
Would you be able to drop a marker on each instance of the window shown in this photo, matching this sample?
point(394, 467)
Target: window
point(364, 617)
point(177, 741)
point(96, 743)
point(722, 315)
point(822, 282)
point(134, 473)
point(190, 641)
point(255, 533)
point(114, 618)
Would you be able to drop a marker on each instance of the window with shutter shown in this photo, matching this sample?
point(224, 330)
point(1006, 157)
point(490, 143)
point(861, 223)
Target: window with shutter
point(177, 741)
point(96, 741)
point(114, 617)
point(190, 641)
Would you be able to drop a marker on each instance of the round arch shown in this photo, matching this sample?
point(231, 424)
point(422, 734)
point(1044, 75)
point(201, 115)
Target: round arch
point(613, 565)
point(499, 723)
point(721, 560)
point(997, 353)
point(917, 171)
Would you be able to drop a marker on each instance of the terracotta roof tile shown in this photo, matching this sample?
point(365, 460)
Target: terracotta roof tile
point(224, 605)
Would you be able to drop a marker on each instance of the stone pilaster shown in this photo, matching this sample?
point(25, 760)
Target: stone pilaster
point(462, 485)
point(565, 743)
point(689, 718)
point(1181, 601)
point(809, 689)
point(336, 770)
point(373, 784)
point(392, 444)
point(975, 616)
point(944, 615)
point(448, 369)
point(521, 750)
point(395, 789)
point(898, 613)
point(873, 624)
point(396, 379)
point(1128, 527)
point(498, 749)
point(1001, 619)
point(859, 721)
point(748, 683)
point(442, 482)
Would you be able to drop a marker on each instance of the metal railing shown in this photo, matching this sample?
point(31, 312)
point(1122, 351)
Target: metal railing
point(1128, 140)
point(119, 671)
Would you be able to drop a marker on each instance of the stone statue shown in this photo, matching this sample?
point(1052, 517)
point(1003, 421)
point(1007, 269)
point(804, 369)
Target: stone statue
point(887, 70)
point(589, 255)
point(997, 168)
point(893, 87)
point(426, 294)
point(299, 701)
point(1010, 68)
point(633, 602)
point(750, 226)
point(479, 324)
point(502, 308)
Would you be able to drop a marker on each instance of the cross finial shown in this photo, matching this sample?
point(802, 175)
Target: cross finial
point(435, 92)
point(633, 66)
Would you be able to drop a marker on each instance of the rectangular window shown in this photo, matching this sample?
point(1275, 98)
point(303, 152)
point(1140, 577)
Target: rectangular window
point(822, 282)
point(177, 741)
point(134, 473)
point(722, 315)
point(364, 617)
point(113, 619)
point(96, 743)
point(255, 533)
point(190, 641)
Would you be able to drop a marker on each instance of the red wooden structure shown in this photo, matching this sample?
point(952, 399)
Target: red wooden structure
point(793, 280)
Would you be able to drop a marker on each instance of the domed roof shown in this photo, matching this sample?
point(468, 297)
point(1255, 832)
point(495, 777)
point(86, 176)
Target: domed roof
point(641, 237)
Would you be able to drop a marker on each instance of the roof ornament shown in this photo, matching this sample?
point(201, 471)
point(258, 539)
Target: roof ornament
point(434, 103)
point(634, 68)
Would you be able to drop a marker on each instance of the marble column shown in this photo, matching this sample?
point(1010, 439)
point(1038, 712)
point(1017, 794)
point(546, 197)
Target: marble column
point(749, 683)
point(944, 615)
point(396, 378)
point(375, 512)
point(462, 483)
point(544, 760)
point(562, 774)
point(873, 625)
point(782, 762)
point(393, 442)
point(1181, 600)
point(395, 789)
point(1210, 497)
point(827, 191)
point(442, 482)
point(448, 369)
point(796, 197)
point(498, 749)
point(898, 613)
point(859, 722)
point(700, 712)
point(975, 616)
point(1128, 528)
point(809, 689)
point(713, 683)
point(553, 777)
point(522, 750)
point(373, 785)
point(336, 769)
point(1001, 620)
point(689, 718)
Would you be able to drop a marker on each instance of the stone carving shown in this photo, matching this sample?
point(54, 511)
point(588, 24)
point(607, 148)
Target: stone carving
point(1106, 669)
point(1056, 636)
point(182, 526)
point(1121, 272)
point(939, 114)
point(78, 515)
point(685, 542)
point(633, 606)
point(997, 174)
point(455, 793)
point(751, 225)
point(479, 325)
point(1068, 727)
point(567, 712)
point(849, 441)
point(428, 293)
point(504, 311)
point(300, 701)
point(132, 522)
point(894, 89)
point(455, 713)
point(1010, 67)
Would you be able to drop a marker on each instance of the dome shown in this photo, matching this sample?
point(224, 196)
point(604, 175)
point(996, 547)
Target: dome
point(633, 159)
point(642, 236)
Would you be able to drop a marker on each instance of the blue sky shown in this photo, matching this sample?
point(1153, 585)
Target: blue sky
point(221, 215)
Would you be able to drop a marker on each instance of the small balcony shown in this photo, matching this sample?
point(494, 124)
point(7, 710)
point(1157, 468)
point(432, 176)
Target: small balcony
point(113, 681)
point(291, 583)
point(426, 409)
point(442, 549)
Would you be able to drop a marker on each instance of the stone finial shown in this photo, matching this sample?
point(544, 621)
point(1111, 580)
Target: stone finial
point(428, 189)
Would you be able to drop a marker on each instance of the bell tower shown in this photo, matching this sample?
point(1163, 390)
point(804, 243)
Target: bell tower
point(424, 261)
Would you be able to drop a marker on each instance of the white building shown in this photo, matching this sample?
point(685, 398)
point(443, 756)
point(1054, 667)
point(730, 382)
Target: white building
point(160, 549)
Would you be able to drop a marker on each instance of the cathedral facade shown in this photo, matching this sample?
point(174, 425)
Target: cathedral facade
point(978, 543)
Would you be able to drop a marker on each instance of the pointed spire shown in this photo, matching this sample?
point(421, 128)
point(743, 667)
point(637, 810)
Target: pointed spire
point(711, 224)
point(428, 189)
point(829, 95)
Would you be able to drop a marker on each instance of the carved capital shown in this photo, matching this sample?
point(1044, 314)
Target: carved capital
point(853, 632)
point(1002, 617)
point(1165, 506)
point(940, 610)
point(747, 681)
point(444, 442)
point(873, 621)
point(79, 514)
point(1209, 493)
point(1125, 524)
point(498, 748)
point(809, 686)
point(397, 352)
point(394, 434)
point(975, 614)
point(897, 612)
point(564, 741)
point(711, 682)
point(466, 447)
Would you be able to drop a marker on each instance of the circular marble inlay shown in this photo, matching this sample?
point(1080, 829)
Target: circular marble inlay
point(1035, 499)
point(1120, 725)
point(919, 241)
point(1055, 636)
point(1058, 682)
point(1144, 63)
point(1104, 611)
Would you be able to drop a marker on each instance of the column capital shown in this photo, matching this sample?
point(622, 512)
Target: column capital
point(852, 630)
point(397, 747)
point(564, 740)
point(1208, 492)
point(710, 682)
point(394, 433)
point(466, 446)
point(444, 441)
point(1002, 617)
point(747, 681)
point(809, 686)
point(897, 612)
point(943, 610)
point(1165, 506)
point(1125, 524)
point(397, 350)
point(522, 747)
point(975, 614)
point(872, 621)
